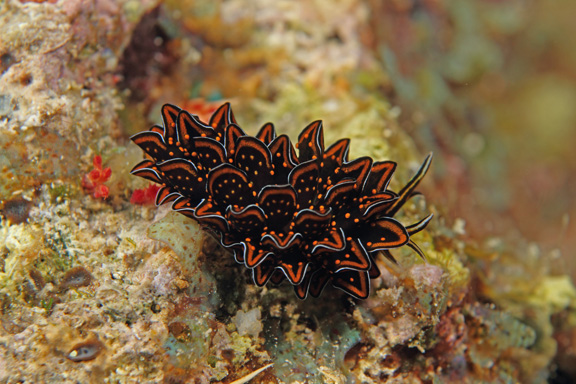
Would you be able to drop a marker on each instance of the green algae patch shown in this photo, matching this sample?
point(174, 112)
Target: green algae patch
point(555, 292)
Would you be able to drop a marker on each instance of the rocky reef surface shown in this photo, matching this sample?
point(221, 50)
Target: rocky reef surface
point(97, 284)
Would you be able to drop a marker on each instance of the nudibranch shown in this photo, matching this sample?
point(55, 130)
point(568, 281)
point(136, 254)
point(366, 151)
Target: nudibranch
point(309, 216)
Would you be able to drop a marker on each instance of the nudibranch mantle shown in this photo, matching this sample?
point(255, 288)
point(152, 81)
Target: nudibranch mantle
point(309, 216)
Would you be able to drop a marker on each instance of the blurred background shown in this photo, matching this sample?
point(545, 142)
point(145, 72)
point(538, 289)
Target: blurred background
point(492, 84)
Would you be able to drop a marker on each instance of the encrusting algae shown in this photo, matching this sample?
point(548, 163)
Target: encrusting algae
point(99, 285)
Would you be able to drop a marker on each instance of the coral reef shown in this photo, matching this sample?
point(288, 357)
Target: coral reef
point(118, 290)
point(58, 85)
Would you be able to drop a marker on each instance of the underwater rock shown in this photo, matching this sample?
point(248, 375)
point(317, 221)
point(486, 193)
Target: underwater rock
point(75, 278)
point(16, 211)
point(248, 323)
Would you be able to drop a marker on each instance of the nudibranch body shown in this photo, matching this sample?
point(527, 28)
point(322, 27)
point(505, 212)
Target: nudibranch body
point(309, 216)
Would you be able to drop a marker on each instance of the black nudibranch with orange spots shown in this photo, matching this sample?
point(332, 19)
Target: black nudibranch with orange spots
point(311, 216)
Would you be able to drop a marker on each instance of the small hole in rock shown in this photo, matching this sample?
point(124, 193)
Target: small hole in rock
point(26, 79)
